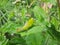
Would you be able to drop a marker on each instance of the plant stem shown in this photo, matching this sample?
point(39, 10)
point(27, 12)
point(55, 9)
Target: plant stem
point(58, 3)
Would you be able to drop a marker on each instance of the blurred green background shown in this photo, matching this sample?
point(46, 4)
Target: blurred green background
point(17, 14)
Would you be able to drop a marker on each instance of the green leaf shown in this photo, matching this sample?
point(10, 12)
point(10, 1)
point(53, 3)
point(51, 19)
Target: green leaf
point(36, 36)
point(55, 22)
point(39, 14)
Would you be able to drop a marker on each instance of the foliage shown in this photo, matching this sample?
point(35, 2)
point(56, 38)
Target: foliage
point(29, 22)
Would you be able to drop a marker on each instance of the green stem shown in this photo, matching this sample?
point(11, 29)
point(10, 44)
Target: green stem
point(58, 3)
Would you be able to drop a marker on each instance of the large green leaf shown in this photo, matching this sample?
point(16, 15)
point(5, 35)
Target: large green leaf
point(40, 15)
point(36, 36)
